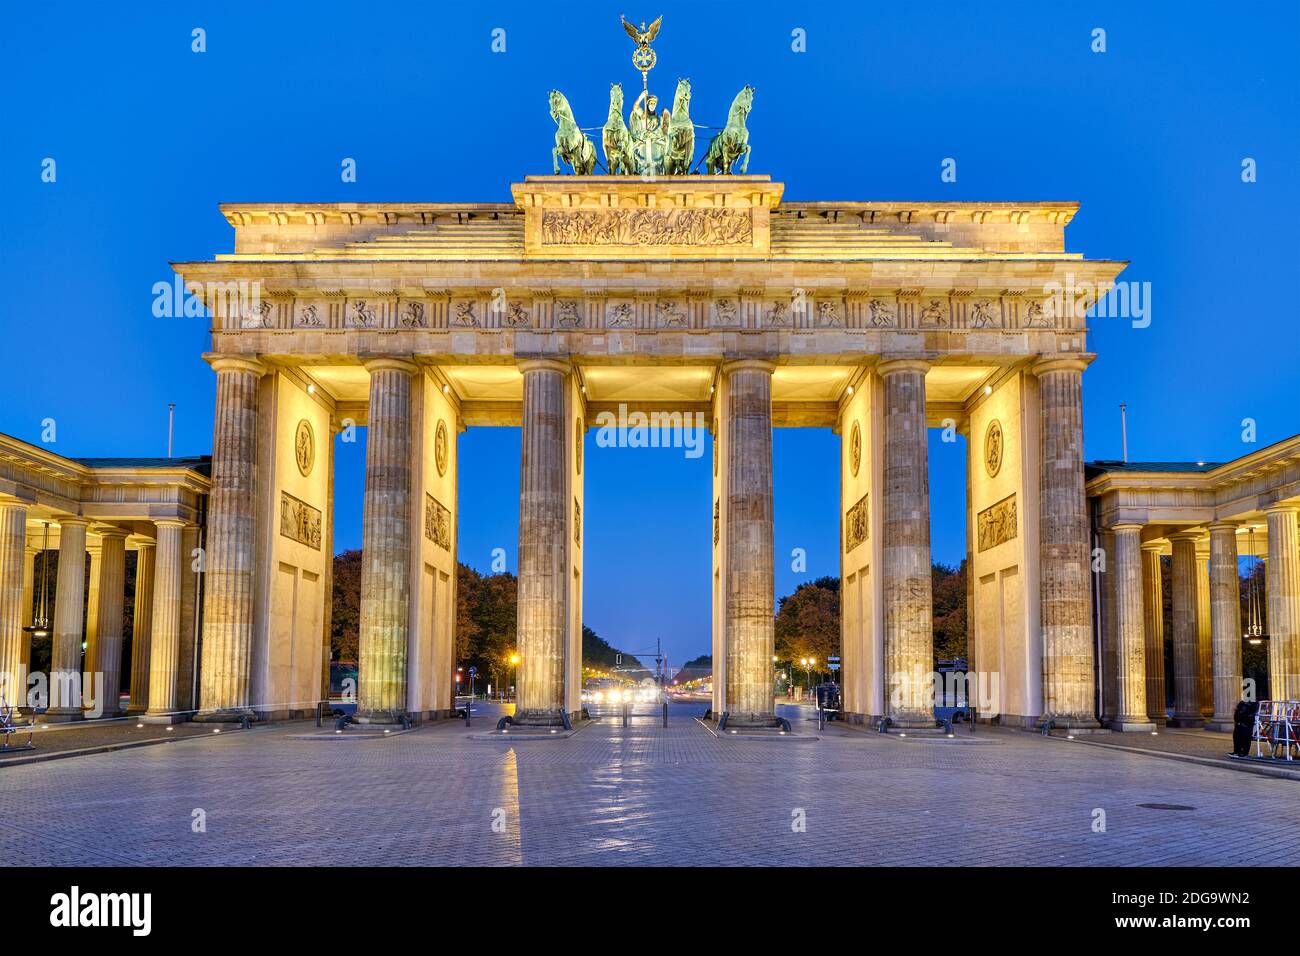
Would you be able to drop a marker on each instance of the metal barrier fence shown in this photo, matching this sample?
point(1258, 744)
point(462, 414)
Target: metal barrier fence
point(1277, 724)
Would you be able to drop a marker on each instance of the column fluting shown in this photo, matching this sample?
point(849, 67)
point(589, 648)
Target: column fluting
point(107, 661)
point(905, 531)
point(1204, 631)
point(13, 547)
point(1225, 622)
point(69, 608)
point(229, 556)
point(142, 628)
point(386, 545)
point(1153, 629)
point(1130, 644)
point(1065, 571)
point(164, 647)
point(750, 625)
point(543, 529)
point(1283, 588)
point(1187, 645)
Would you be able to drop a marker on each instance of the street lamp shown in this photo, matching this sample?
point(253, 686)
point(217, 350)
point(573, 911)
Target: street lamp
point(514, 672)
point(808, 663)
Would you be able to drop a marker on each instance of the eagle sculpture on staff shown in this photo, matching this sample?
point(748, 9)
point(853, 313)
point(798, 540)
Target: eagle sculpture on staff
point(645, 35)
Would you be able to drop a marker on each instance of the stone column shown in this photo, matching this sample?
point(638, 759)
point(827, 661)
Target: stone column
point(94, 549)
point(1187, 644)
point(1109, 631)
point(1130, 645)
point(1283, 603)
point(228, 584)
point(1204, 634)
point(106, 662)
point(386, 545)
point(750, 625)
point(1065, 571)
point(905, 564)
point(164, 647)
point(28, 618)
point(69, 611)
point(13, 546)
point(142, 629)
point(1225, 618)
point(543, 533)
point(1153, 628)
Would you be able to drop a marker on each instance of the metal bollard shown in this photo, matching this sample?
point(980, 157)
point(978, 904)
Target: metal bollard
point(624, 713)
point(665, 713)
point(466, 713)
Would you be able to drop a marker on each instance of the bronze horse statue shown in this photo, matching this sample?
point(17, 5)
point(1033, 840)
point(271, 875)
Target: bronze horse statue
point(681, 133)
point(732, 143)
point(571, 144)
point(615, 138)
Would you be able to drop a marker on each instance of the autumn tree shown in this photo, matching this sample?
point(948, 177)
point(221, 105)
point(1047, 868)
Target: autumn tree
point(808, 621)
point(948, 590)
point(345, 613)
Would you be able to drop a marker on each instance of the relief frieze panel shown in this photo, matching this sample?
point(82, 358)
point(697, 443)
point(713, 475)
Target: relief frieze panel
point(437, 522)
point(996, 524)
point(299, 521)
point(857, 524)
point(647, 227)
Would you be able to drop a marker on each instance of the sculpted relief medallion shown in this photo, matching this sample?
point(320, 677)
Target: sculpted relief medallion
point(993, 448)
point(440, 448)
point(855, 449)
point(304, 447)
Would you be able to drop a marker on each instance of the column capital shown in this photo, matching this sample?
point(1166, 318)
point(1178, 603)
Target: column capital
point(145, 543)
point(73, 521)
point(892, 365)
point(538, 364)
point(1126, 526)
point(750, 364)
point(1282, 507)
point(1059, 363)
point(382, 362)
point(1184, 536)
point(1223, 526)
point(235, 363)
point(113, 533)
point(170, 523)
point(1154, 545)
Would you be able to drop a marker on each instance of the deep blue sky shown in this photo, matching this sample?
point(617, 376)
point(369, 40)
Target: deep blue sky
point(148, 137)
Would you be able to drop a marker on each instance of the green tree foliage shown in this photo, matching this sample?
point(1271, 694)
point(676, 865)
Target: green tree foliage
point(948, 588)
point(808, 621)
point(345, 613)
point(485, 620)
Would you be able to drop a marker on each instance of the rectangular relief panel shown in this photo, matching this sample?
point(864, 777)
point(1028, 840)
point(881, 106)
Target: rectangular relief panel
point(996, 524)
point(857, 524)
point(630, 218)
point(299, 521)
point(437, 522)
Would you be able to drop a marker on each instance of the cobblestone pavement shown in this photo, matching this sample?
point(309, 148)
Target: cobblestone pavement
point(638, 795)
point(54, 738)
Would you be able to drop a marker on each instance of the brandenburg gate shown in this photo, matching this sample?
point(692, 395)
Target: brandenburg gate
point(668, 294)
